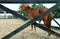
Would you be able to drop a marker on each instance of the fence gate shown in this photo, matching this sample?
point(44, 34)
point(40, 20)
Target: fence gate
point(33, 20)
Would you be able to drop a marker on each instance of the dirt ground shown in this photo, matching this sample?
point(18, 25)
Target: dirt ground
point(9, 25)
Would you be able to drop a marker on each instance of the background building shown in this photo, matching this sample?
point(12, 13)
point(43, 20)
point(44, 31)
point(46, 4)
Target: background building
point(5, 14)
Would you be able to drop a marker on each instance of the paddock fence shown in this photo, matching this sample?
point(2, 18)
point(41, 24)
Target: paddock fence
point(33, 20)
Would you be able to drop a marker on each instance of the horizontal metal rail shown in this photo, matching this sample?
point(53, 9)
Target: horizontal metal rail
point(30, 22)
point(29, 1)
point(13, 12)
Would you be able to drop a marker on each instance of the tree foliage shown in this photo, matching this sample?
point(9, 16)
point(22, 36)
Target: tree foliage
point(38, 6)
point(57, 10)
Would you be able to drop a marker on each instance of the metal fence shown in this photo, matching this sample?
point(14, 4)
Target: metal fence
point(33, 20)
point(29, 1)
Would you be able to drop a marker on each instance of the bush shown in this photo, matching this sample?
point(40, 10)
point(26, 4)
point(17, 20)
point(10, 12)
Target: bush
point(25, 13)
point(57, 11)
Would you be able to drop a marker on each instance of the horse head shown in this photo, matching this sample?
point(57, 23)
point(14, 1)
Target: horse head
point(24, 7)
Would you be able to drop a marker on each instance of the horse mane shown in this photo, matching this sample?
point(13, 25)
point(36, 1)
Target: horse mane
point(31, 8)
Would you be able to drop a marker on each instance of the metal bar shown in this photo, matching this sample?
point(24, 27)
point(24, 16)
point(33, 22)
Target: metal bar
point(56, 28)
point(13, 12)
point(30, 22)
point(55, 20)
point(29, 1)
point(47, 30)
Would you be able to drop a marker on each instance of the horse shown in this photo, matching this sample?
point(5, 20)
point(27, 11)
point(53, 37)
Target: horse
point(32, 13)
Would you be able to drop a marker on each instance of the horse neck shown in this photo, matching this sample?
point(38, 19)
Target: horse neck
point(29, 10)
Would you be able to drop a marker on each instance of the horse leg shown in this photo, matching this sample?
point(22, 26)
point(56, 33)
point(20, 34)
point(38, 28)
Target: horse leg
point(31, 32)
point(35, 28)
point(39, 21)
point(48, 25)
point(31, 27)
point(48, 21)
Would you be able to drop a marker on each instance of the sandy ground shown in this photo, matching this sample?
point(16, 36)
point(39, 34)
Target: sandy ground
point(9, 25)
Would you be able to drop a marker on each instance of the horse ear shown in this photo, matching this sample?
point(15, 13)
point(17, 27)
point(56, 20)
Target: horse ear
point(25, 4)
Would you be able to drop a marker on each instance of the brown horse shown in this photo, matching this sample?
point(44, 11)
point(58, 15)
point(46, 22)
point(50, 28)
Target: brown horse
point(32, 13)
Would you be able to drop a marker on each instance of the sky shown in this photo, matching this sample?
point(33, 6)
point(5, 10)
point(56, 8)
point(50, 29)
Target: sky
point(16, 6)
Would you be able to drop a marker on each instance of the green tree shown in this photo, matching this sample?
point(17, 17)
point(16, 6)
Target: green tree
point(57, 10)
point(38, 6)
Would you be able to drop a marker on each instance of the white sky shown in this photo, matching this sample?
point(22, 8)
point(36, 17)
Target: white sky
point(16, 6)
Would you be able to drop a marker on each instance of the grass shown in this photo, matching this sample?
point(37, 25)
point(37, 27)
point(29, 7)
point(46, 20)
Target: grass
point(9, 25)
